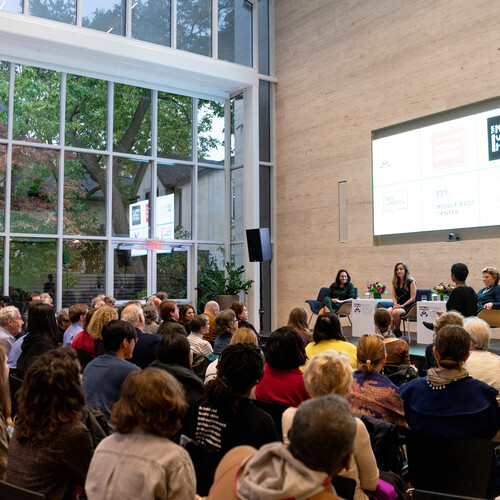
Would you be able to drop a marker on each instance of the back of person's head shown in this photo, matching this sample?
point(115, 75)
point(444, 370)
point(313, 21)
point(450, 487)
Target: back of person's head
point(150, 314)
point(284, 349)
point(88, 317)
point(109, 300)
point(370, 352)
point(448, 318)
point(162, 295)
point(212, 307)
point(151, 400)
point(452, 345)
point(63, 317)
point(8, 312)
point(460, 271)
point(479, 332)
point(224, 320)
point(50, 396)
point(382, 319)
point(298, 318)
point(328, 372)
point(167, 307)
point(239, 369)
point(198, 322)
point(174, 349)
point(115, 332)
point(244, 335)
point(134, 303)
point(76, 311)
point(322, 434)
point(238, 308)
point(132, 314)
point(102, 316)
point(42, 321)
point(327, 327)
point(5, 405)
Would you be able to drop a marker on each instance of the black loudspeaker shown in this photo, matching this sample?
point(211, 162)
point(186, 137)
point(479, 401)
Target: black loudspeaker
point(259, 245)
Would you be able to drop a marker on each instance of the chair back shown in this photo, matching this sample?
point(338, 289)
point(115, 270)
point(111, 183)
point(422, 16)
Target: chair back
point(456, 467)
point(423, 291)
point(314, 304)
point(275, 411)
point(11, 492)
point(491, 317)
point(345, 487)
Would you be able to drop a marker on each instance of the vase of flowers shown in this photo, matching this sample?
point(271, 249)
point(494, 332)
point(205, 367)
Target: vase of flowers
point(443, 290)
point(376, 289)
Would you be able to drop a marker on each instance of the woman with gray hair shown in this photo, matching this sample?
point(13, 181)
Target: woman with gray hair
point(482, 364)
point(226, 325)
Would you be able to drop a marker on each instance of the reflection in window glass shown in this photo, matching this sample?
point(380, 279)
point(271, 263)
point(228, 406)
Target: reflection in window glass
point(211, 204)
point(104, 15)
point(84, 191)
point(63, 11)
point(174, 126)
point(131, 195)
point(83, 271)
point(171, 274)
point(32, 266)
point(86, 112)
point(264, 121)
point(264, 37)
point(237, 138)
point(235, 31)
point(130, 268)
point(173, 203)
point(209, 258)
point(151, 21)
point(4, 97)
point(132, 120)
point(34, 190)
point(238, 254)
point(36, 104)
point(211, 131)
point(3, 170)
point(12, 6)
point(237, 193)
point(194, 26)
point(265, 196)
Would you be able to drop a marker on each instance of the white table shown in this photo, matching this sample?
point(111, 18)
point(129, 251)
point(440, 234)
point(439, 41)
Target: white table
point(427, 311)
point(362, 315)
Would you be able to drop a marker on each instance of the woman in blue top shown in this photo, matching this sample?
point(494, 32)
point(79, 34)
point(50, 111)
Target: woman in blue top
point(489, 296)
point(341, 290)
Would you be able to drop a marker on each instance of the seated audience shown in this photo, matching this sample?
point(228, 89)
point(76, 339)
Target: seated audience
point(83, 343)
point(109, 301)
point(169, 313)
point(242, 336)
point(41, 337)
point(283, 381)
point(63, 323)
point(482, 364)
point(298, 320)
point(51, 448)
point(330, 373)
point(11, 325)
point(147, 343)
point(103, 376)
point(140, 460)
point(186, 314)
point(372, 393)
point(341, 290)
point(97, 301)
point(77, 315)
point(227, 325)
point(328, 335)
point(199, 325)
point(174, 356)
point(211, 310)
point(240, 309)
point(103, 315)
point(5, 408)
point(320, 446)
point(404, 292)
point(489, 297)
point(398, 351)
point(151, 317)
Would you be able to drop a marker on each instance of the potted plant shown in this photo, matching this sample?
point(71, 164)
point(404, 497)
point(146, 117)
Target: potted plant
point(443, 290)
point(377, 289)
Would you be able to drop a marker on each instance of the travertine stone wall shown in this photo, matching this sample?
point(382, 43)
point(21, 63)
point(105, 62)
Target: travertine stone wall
point(346, 68)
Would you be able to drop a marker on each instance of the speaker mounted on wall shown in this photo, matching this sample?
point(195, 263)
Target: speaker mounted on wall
point(259, 244)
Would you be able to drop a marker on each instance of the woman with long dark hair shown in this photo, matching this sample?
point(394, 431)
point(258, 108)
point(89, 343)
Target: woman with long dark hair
point(341, 290)
point(404, 293)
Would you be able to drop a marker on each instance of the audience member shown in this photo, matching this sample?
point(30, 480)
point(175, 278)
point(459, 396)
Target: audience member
point(398, 351)
point(482, 364)
point(240, 309)
point(283, 381)
point(83, 343)
point(140, 460)
point(151, 317)
point(330, 373)
point(109, 301)
point(5, 408)
point(11, 325)
point(169, 313)
point(341, 290)
point(404, 292)
point(5, 301)
point(320, 447)
point(227, 325)
point(162, 295)
point(63, 323)
point(46, 299)
point(97, 301)
point(489, 297)
point(372, 393)
point(186, 314)
point(298, 320)
point(199, 325)
point(328, 335)
point(155, 301)
point(147, 343)
point(103, 315)
point(77, 314)
point(51, 448)
point(211, 310)
point(103, 376)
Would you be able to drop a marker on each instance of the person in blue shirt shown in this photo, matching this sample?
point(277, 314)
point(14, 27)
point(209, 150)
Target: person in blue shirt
point(489, 296)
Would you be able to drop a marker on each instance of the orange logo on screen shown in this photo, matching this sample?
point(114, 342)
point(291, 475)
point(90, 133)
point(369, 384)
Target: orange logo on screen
point(448, 148)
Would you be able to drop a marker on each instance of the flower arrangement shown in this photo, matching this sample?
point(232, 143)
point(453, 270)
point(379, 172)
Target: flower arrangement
point(376, 288)
point(443, 290)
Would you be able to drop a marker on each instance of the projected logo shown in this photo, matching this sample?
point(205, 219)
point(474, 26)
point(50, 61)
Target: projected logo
point(448, 148)
point(494, 138)
point(395, 200)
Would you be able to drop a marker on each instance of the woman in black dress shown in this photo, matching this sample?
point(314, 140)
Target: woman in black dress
point(404, 293)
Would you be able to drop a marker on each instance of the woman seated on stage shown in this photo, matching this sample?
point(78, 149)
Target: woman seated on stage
point(489, 296)
point(404, 293)
point(341, 290)
point(397, 350)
